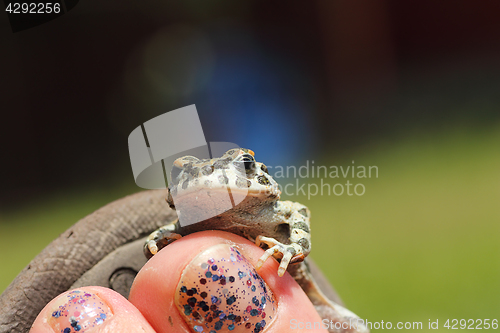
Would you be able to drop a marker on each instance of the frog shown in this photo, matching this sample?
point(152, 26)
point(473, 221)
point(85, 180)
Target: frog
point(236, 193)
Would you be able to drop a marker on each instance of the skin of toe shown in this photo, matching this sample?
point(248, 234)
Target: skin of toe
point(120, 314)
point(154, 288)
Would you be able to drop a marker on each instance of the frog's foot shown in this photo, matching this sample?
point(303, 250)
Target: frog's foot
point(159, 239)
point(288, 253)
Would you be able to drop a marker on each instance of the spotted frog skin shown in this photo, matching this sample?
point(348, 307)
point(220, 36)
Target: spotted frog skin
point(252, 208)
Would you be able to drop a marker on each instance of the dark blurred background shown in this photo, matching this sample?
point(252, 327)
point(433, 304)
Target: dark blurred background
point(410, 86)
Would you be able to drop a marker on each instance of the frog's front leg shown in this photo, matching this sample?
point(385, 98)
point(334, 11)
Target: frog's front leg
point(161, 238)
point(299, 240)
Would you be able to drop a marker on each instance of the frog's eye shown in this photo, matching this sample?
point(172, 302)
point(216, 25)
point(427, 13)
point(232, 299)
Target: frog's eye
point(246, 162)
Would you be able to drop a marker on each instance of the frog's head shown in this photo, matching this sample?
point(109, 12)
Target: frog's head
point(234, 176)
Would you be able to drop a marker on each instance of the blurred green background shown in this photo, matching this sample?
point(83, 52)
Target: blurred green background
point(412, 88)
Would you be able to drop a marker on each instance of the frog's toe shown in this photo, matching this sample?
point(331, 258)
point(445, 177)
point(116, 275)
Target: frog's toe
point(269, 252)
point(278, 251)
point(284, 262)
point(274, 247)
point(150, 248)
point(263, 259)
point(151, 245)
point(287, 253)
point(158, 240)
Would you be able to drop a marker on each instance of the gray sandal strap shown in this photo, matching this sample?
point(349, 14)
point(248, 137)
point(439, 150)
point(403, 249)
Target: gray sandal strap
point(77, 250)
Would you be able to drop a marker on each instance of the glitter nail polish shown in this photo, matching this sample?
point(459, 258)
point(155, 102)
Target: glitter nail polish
point(220, 291)
point(79, 311)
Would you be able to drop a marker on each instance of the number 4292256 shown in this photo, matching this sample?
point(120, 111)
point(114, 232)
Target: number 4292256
point(33, 8)
point(471, 324)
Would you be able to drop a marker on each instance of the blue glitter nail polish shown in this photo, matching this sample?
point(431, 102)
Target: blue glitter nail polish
point(79, 311)
point(217, 301)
